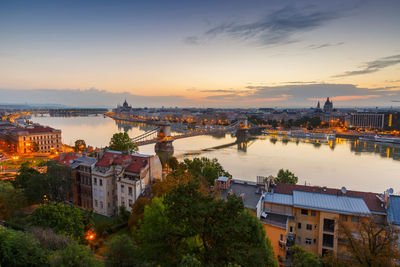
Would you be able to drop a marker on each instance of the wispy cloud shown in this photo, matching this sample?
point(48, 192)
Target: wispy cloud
point(373, 66)
point(324, 45)
point(277, 27)
point(346, 98)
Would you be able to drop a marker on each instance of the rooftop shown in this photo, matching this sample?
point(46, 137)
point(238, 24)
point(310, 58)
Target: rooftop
point(250, 191)
point(34, 130)
point(370, 199)
point(134, 162)
point(274, 219)
point(332, 203)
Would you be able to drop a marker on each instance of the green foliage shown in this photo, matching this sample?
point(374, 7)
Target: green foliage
point(303, 258)
point(122, 217)
point(54, 185)
point(11, 200)
point(190, 261)
point(80, 145)
point(48, 239)
point(19, 249)
point(286, 177)
point(121, 252)
point(63, 219)
point(215, 232)
point(203, 168)
point(74, 255)
point(137, 212)
point(122, 142)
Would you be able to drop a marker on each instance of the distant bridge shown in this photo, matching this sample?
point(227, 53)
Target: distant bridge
point(162, 133)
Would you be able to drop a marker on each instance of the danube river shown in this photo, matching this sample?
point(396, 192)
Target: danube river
point(355, 165)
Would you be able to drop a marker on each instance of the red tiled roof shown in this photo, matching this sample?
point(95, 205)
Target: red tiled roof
point(36, 129)
point(135, 163)
point(373, 203)
point(67, 160)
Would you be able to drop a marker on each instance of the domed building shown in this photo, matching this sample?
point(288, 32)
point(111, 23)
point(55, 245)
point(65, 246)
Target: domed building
point(328, 106)
point(125, 108)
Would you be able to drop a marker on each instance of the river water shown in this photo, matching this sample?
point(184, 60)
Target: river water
point(356, 165)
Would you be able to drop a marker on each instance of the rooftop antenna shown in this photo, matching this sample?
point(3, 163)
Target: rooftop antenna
point(344, 190)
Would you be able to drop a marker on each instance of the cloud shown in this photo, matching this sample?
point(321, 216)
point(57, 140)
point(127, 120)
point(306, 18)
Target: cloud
point(325, 45)
point(192, 40)
point(277, 27)
point(346, 98)
point(224, 91)
point(88, 98)
point(373, 66)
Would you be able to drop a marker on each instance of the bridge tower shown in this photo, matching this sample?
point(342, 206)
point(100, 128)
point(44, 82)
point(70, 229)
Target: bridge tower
point(243, 125)
point(164, 148)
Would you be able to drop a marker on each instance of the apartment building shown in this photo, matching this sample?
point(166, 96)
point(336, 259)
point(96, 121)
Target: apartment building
point(120, 178)
point(311, 216)
point(34, 139)
point(82, 181)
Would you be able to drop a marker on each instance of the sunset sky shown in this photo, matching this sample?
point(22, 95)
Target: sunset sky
point(200, 53)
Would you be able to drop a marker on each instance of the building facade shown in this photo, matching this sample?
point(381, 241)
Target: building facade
point(34, 139)
point(120, 178)
point(82, 181)
point(366, 120)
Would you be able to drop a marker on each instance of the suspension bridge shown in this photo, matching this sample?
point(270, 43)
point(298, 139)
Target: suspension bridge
point(162, 133)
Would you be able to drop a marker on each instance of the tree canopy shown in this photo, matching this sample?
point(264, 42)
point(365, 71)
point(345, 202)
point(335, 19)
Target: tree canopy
point(187, 222)
point(80, 145)
point(122, 142)
point(63, 219)
point(303, 258)
point(286, 177)
point(11, 200)
point(121, 252)
point(74, 255)
point(20, 249)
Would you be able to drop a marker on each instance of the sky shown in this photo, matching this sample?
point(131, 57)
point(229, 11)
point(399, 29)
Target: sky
point(236, 53)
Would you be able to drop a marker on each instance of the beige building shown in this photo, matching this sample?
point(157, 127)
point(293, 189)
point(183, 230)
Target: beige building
point(34, 139)
point(120, 178)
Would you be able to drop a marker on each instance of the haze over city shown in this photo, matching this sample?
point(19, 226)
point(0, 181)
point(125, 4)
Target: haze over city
point(200, 53)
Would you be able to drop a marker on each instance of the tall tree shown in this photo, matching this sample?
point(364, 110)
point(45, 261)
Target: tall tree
point(370, 244)
point(286, 177)
point(187, 222)
point(121, 252)
point(63, 219)
point(74, 255)
point(80, 145)
point(122, 142)
point(303, 258)
point(20, 249)
point(11, 200)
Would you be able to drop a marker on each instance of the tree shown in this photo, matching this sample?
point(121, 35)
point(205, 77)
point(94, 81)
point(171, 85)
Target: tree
point(286, 177)
point(122, 142)
point(63, 219)
point(187, 222)
point(48, 239)
point(54, 185)
point(74, 255)
point(19, 249)
point(370, 245)
point(121, 252)
point(80, 145)
point(11, 200)
point(303, 258)
point(137, 212)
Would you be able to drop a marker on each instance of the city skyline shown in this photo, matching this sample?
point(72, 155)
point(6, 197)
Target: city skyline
point(207, 54)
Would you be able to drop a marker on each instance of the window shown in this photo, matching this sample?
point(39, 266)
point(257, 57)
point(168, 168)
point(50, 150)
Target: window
point(101, 193)
point(315, 241)
point(315, 227)
point(291, 229)
point(95, 181)
point(309, 227)
point(308, 241)
point(281, 238)
point(298, 225)
point(327, 240)
point(122, 188)
point(344, 218)
point(354, 219)
point(313, 213)
point(95, 203)
point(329, 225)
point(304, 212)
point(298, 240)
point(95, 192)
point(130, 191)
point(130, 202)
point(101, 182)
point(101, 204)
